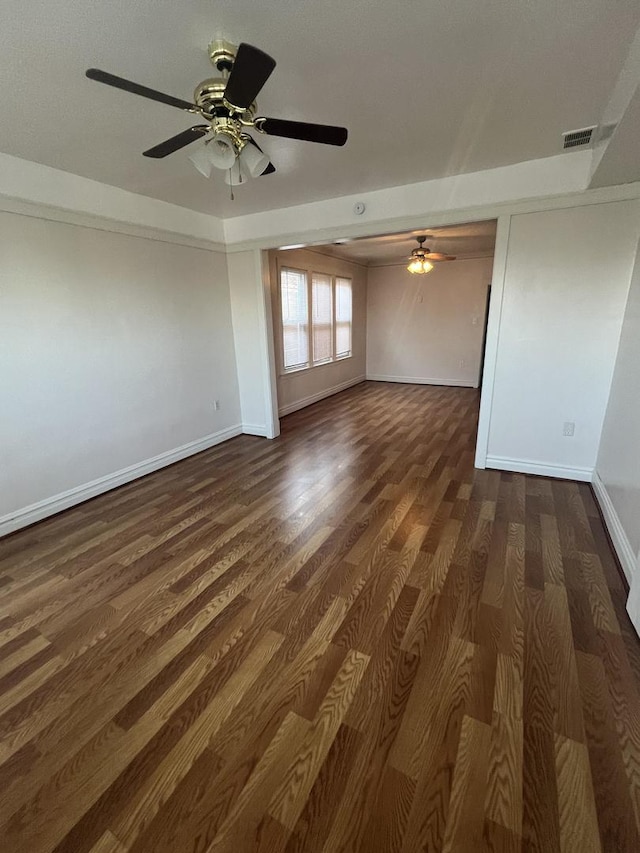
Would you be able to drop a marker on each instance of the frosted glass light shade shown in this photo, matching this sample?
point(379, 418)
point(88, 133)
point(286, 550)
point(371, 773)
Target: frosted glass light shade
point(201, 160)
point(222, 151)
point(253, 160)
point(420, 266)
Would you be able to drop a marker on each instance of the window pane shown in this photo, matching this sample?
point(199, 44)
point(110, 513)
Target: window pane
point(295, 318)
point(321, 314)
point(343, 317)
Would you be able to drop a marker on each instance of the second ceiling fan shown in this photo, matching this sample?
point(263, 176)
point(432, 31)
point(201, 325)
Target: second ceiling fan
point(420, 259)
point(227, 104)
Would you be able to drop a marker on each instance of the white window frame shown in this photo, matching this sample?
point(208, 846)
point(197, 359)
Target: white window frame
point(313, 361)
point(301, 365)
point(309, 273)
point(336, 355)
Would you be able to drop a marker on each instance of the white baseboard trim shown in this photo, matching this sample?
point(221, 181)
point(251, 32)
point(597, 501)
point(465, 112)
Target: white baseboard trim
point(50, 506)
point(315, 398)
point(528, 466)
point(254, 429)
point(420, 380)
point(614, 526)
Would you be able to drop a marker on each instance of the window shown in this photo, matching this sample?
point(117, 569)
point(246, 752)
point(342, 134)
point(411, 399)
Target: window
point(343, 317)
point(321, 316)
point(316, 318)
point(295, 319)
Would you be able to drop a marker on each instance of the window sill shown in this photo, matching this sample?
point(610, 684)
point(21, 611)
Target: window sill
point(291, 370)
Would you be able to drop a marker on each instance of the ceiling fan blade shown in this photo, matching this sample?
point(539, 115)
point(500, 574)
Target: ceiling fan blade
point(251, 69)
point(324, 133)
point(439, 256)
point(137, 89)
point(176, 142)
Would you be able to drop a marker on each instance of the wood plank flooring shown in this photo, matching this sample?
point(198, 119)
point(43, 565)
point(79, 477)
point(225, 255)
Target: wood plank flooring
point(346, 639)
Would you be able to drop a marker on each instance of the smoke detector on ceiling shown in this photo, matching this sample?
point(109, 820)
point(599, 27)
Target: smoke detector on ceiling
point(578, 138)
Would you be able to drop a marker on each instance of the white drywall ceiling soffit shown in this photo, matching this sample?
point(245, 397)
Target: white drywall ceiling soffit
point(501, 82)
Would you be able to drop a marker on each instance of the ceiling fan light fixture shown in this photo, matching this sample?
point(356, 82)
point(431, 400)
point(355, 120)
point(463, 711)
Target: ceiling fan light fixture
point(253, 160)
point(420, 266)
point(201, 160)
point(222, 150)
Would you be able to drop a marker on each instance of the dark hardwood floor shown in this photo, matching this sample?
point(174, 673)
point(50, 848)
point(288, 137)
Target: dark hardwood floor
point(346, 639)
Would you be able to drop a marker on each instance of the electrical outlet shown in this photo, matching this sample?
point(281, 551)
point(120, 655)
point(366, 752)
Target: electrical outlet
point(216, 405)
point(569, 428)
point(462, 362)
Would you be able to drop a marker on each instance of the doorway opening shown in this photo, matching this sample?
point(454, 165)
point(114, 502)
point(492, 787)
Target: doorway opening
point(349, 311)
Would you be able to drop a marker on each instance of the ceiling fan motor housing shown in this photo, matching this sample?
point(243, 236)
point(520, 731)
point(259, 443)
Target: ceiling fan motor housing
point(209, 96)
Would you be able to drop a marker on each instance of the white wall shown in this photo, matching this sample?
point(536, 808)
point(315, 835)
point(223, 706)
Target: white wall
point(427, 328)
point(618, 466)
point(253, 340)
point(303, 387)
point(112, 351)
point(565, 288)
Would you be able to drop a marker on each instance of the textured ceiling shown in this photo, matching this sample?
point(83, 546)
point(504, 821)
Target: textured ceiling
point(469, 240)
point(426, 88)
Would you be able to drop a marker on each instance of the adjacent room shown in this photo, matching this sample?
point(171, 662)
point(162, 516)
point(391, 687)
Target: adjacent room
point(320, 427)
point(353, 310)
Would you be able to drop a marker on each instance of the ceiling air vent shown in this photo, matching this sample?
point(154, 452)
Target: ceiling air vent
point(577, 138)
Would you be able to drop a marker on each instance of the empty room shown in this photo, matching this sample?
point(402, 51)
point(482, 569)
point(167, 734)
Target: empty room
point(320, 427)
